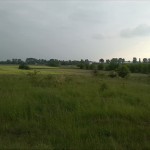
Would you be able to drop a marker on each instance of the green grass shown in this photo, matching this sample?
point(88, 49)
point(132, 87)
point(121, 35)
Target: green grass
point(43, 70)
point(72, 109)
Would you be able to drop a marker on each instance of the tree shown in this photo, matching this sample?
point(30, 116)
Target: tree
point(82, 64)
point(123, 71)
point(114, 60)
point(32, 61)
point(121, 60)
point(107, 61)
point(145, 60)
point(134, 60)
point(53, 63)
point(113, 65)
point(101, 60)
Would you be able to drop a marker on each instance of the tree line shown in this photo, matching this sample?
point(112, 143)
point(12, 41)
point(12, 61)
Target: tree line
point(135, 66)
point(34, 61)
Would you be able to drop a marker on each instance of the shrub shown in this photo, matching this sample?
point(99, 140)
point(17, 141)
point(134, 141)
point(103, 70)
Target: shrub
point(33, 74)
point(93, 67)
point(113, 74)
point(123, 71)
point(24, 66)
point(95, 72)
point(100, 66)
point(103, 87)
point(34, 78)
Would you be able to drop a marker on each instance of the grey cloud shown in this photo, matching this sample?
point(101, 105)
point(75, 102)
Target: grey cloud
point(141, 30)
point(102, 36)
point(68, 29)
point(98, 36)
point(84, 17)
point(88, 15)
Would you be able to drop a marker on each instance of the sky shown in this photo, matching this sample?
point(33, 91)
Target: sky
point(74, 30)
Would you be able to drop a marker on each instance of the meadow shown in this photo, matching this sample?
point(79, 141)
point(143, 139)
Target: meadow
point(58, 108)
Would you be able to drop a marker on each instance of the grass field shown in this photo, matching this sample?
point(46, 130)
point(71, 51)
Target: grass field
point(73, 109)
point(43, 70)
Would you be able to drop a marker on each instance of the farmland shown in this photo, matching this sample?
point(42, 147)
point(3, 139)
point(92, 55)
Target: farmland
point(59, 108)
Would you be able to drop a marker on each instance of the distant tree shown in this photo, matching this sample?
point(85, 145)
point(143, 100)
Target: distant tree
point(114, 60)
point(53, 63)
point(107, 61)
point(145, 60)
point(16, 61)
point(121, 60)
point(134, 60)
point(8, 61)
point(32, 61)
point(86, 61)
point(113, 65)
point(81, 65)
point(101, 60)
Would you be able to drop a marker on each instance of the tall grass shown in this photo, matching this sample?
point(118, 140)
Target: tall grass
point(74, 112)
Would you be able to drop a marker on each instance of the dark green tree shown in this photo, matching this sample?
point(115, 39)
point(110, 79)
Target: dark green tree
point(54, 63)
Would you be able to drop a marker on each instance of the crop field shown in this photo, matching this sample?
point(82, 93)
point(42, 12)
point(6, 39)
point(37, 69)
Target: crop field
point(57, 108)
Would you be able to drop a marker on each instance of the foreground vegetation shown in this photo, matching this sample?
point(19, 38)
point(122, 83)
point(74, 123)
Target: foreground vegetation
point(73, 109)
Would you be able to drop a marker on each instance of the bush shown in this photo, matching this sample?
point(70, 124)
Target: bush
point(113, 74)
point(123, 71)
point(24, 66)
point(93, 67)
point(100, 66)
point(34, 78)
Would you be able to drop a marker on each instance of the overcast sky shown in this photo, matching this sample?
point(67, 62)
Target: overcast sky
point(64, 29)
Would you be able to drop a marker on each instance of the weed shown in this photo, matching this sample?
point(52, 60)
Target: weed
point(103, 87)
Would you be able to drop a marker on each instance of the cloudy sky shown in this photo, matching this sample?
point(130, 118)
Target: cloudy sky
point(82, 29)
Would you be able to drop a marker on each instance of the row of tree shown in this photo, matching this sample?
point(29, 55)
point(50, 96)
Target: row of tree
point(114, 64)
point(122, 60)
point(56, 62)
point(34, 61)
point(134, 66)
